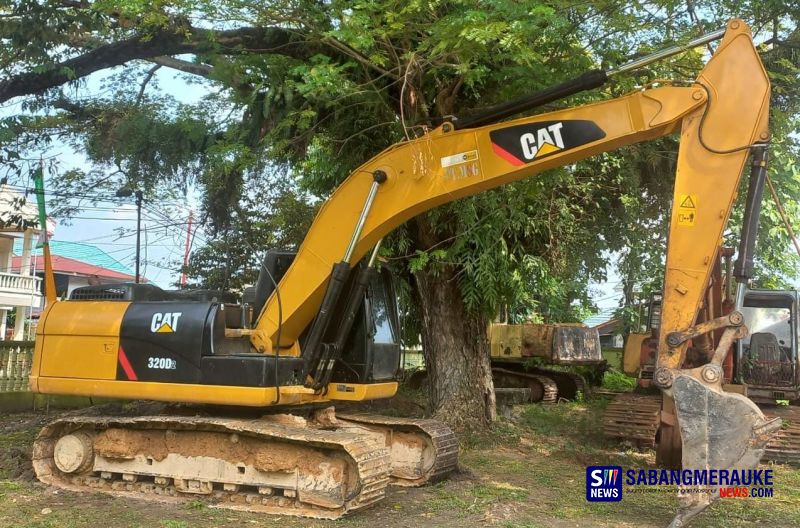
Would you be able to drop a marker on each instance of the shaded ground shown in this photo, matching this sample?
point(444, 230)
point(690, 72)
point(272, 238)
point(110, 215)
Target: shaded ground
point(529, 473)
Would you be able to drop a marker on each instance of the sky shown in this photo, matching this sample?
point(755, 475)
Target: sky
point(111, 224)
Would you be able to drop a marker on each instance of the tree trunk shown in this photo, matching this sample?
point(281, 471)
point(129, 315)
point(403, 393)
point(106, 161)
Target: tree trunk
point(456, 348)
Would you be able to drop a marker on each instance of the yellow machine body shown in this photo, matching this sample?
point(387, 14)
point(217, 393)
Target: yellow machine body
point(76, 353)
point(173, 350)
point(573, 344)
point(632, 353)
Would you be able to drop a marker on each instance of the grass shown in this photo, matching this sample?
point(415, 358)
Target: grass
point(174, 524)
point(197, 505)
point(617, 381)
point(17, 438)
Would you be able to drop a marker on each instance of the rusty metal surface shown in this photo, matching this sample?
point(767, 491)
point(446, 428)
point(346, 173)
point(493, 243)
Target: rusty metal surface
point(784, 448)
point(633, 418)
point(505, 341)
point(764, 373)
point(718, 431)
point(364, 452)
point(568, 384)
point(537, 340)
point(542, 388)
point(577, 345)
point(556, 343)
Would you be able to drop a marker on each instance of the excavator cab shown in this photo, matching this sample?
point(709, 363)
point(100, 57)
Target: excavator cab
point(639, 353)
point(766, 360)
point(372, 351)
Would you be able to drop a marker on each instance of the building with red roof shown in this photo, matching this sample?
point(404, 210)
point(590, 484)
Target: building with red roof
point(76, 264)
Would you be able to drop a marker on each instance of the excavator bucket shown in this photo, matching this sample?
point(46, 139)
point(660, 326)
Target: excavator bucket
point(719, 430)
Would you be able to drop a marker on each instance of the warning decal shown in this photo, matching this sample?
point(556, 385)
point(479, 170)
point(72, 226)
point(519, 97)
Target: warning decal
point(687, 209)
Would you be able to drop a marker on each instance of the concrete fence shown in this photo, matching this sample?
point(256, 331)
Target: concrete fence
point(15, 365)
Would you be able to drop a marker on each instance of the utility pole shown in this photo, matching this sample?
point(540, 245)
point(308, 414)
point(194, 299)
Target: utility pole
point(125, 192)
point(138, 234)
point(186, 250)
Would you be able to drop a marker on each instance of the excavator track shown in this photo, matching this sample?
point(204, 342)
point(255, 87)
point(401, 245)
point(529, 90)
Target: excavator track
point(569, 384)
point(256, 465)
point(422, 450)
point(543, 389)
point(784, 448)
point(633, 417)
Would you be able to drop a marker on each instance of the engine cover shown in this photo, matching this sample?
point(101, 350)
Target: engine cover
point(165, 341)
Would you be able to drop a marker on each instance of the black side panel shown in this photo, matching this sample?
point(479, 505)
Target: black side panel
point(251, 370)
point(163, 341)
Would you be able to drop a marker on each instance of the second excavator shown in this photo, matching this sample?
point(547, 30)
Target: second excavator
point(323, 325)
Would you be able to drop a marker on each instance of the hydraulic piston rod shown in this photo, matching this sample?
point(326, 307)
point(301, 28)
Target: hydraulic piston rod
point(587, 81)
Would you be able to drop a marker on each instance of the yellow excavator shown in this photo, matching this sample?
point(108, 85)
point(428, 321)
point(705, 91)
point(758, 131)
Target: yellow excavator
point(526, 358)
point(763, 366)
point(323, 326)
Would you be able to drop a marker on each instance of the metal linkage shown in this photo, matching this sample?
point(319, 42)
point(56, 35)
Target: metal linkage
point(378, 177)
point(667, 52)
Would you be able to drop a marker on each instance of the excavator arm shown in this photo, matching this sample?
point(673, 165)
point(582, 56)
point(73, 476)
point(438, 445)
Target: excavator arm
point(722, 117)
point(725, 109)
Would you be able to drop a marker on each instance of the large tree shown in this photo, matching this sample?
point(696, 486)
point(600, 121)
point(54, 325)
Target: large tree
point(316, 88)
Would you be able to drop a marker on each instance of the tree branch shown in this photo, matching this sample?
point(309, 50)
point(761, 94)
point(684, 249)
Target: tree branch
point(152, 71)
point(173, 41)
point(347, 50)
point(202, 70)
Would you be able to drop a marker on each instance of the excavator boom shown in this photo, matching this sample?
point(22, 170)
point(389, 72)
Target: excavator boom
point(730, 98)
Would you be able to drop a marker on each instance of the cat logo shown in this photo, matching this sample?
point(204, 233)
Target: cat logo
point(544, 141)
point(165, 323)
point(530, 142)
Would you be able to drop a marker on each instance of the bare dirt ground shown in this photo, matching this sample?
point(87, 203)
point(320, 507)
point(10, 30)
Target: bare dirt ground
point(529, 473)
